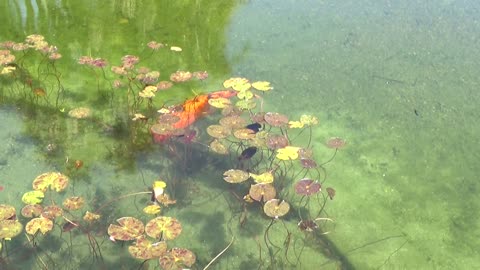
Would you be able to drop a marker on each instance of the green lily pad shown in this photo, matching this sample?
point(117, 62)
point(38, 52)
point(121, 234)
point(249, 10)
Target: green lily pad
point(6, 211)
point(144, 249)
point(31, 210)
point(235, 176)
point(163, 228)
point(55, 180)
point(275, 208)
point(10, 228)
point(177, 258)
point(246, 104)
point(33, 197)
point(264, 178)
point(260, 192)
point(41, 224)
point(130, 228)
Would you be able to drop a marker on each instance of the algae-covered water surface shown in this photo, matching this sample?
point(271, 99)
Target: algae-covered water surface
point(239, 135)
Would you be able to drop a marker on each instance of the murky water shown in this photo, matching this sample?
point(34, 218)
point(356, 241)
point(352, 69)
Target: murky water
point(398, 81)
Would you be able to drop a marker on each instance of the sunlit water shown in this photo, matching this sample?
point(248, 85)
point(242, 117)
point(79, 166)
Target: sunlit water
point(398, 81)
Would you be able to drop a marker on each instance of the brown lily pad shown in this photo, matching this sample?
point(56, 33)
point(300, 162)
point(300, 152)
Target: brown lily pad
point(336, 143)
point(308, 163)
point(276, 119)
point(90, 217)
point(276, 141)
point(144, 249)
point(41, 224)
point(130, 228)
point(163, 228)
point(307, 187)
point(181, 76)
point(331, 192)
point(275, 208)
point(55, 180)
point(177, 258)
point(52, 212)
point(218, 131)
point(73, 203)
point(31, 210)
point(260, 192)
point(233, 122)
point(218, 147)
point(10, 228)
point(235, 176)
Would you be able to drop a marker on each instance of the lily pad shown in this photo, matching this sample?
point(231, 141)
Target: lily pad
point(41, 224)
point(80, 113)
point(262, 86)
point(336, 143)
point(264, 178)
point(144, 249)
point(275, 141)
point(260, 192)
point(245, 94)
point(6, 211)
point(130, 228)
point(276, 119)
point(218, 147)
point(152, 209)
point(10, 228)
point(308, 120)
point(219, 102)
point(163, 227)
point(331, 192)
point(181, 76)
point(168, 118)
point(246, 104)
point(201, 75)
point(244, 134)
point(73, 203)
point(218, 131)
point(33, 197)
point(55, 180)
point(307, 187)
point(164, 85)
point(288, 153)
point(177, 258)
point(233, 122)
point(31, 210)
point(308, 163)
point(235, 176)
point(90, 217)
point(275, 208)
point(52, 212)
point(230, 83)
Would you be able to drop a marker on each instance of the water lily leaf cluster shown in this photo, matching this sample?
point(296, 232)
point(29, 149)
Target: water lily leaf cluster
point(9, 225)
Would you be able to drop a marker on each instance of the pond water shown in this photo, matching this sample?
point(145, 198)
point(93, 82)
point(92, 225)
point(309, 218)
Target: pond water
point(396, 80)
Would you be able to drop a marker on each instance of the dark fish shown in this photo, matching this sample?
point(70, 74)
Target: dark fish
point(416, 112)
point(255, 127)
point(248, 153)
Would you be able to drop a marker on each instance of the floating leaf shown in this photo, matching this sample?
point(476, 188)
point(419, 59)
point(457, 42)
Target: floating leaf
point(90, 217)
point(260, 192)
point(308, 120)
point(41, 224)
point(276, 119)
point(336, 143)
point(264, 178)
point(245, 94)
point(218, 131)
point(262, 86)
point(234, 81)
point(152, 209)
point(275, 141)
point(235, 176)
point(177, 258)
point(73, 203)
point(219, 102)
point(31, 210)
point(307, 187)
point(33, 197)
point(163, 227)
point(308, 163)
point(246, 104)
point(331, 192)
point(55, 180)
point(233, 122)
point(275, 208)
point(288, 153)
point(219, 148)
point(181, 76)
point(201, 75)
point(144, 249)
point(130, 228)
point(242, 86)
point(52, 212)
point(6, 211)
point(9, 229)
point(80, 113)
point(244, 134)
point(295, 124)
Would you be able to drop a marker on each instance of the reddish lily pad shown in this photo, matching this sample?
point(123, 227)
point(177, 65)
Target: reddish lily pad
point(177, 258)
point(41, 224)
point(331, 192)
point(144, 249)
point(52, 212)
point(164, 85)
point(181, 76)
point(73, 203)
point(235, 176)
point(55, 180)
point(275, 208)
point(307, 187)
point(201, 75)
point(130, 228)
point(336, 143)
point(218, 131)
point(260, 192)
point(308, 163)
point(31, 210)
point(163, 227)
point(10, 228)
point(276, 119)
point(275, 141)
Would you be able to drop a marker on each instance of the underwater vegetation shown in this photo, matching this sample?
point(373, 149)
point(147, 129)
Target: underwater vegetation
point(263, 162)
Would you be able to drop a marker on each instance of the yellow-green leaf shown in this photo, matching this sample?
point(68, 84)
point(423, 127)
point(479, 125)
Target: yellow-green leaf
point(308, 120)
point(288, 153)
point(295, 124)
point(33, 197)
point(264, 178)
point(152, 209)
point(246, 94)
point(262, 86)
point(219, 102)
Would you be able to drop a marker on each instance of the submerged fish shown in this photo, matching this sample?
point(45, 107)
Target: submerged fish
point(248, 153)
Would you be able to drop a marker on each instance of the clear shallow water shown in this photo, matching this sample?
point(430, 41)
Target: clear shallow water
point(397, 80)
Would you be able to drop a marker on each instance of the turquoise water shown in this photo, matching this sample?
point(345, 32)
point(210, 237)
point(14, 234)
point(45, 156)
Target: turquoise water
point(398, 81)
